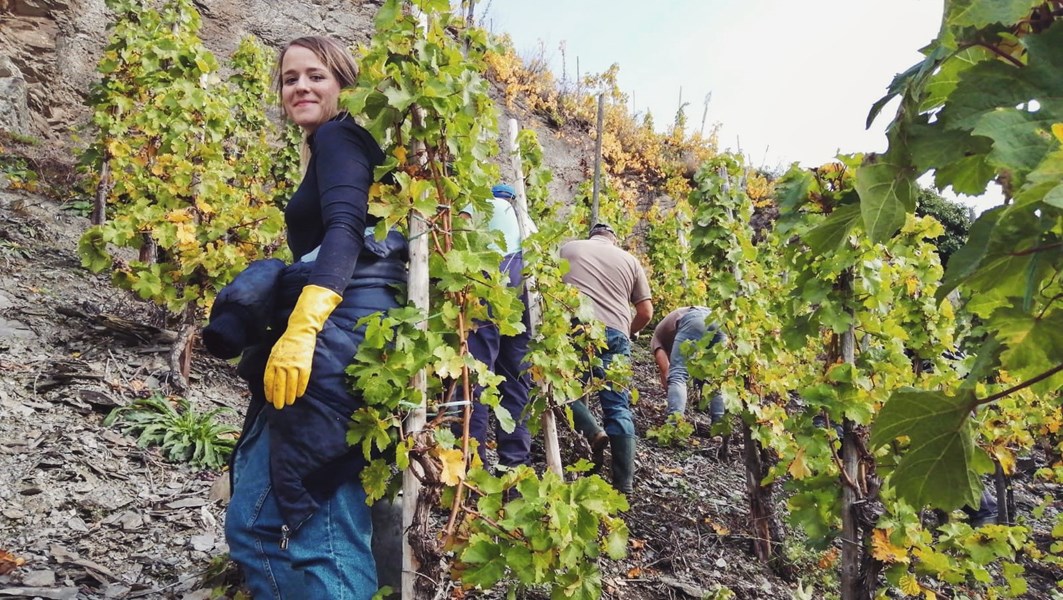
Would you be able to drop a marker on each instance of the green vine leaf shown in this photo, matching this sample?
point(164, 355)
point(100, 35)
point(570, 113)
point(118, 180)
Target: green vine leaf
point(941, 466)
point(887, 193)
point(834, 230)
point(980, 13)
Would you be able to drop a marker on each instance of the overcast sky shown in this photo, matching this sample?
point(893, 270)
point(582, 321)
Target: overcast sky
point(791, 80)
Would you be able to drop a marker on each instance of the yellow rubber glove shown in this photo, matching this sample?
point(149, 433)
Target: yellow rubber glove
point(288, 368)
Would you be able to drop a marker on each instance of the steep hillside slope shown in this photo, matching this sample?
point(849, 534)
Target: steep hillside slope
point(94, 516)
point(51, 49)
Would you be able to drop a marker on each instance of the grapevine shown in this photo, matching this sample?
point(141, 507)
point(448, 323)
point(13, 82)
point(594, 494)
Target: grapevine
point(185, 162)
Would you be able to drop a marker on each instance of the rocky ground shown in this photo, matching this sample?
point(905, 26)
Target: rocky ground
point(90, 513)
point(86, 513)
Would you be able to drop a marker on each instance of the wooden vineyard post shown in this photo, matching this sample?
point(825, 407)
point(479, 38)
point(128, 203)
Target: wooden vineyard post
point(417, 290)
point(597, 161)
point(415, 421)
point(527, 227)
point(684, 247)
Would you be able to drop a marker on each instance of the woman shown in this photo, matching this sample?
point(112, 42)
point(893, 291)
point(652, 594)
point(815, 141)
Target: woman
point(298, 523)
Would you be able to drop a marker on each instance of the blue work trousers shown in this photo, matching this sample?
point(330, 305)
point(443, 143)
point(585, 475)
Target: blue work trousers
point(504, 355)
point(616, 403)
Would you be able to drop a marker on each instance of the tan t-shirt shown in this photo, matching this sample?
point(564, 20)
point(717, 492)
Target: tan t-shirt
point(612, 278)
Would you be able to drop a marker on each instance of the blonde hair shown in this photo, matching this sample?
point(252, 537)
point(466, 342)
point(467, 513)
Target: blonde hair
point(338, 59)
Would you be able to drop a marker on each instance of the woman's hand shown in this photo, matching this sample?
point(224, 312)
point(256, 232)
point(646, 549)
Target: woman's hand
point(288, 368)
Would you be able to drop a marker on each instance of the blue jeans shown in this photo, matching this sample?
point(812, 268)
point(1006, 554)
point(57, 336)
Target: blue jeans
point(329, 556)
point(691, 327)
point(616, 404)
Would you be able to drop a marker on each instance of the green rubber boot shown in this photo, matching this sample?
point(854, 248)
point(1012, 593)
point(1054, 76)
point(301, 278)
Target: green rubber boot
point(623, 462)
point(584, 420)
point(598, 445)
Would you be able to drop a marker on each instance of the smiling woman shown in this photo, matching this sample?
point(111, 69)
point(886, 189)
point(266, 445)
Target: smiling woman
point(298, 523)
point(309, 92)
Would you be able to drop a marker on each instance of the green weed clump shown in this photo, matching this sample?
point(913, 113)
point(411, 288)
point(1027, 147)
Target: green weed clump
point(16, 173)
point(675, 432)
point(182, 434)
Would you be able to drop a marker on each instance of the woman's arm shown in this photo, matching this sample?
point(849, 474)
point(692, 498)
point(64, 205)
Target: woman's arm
point(344, 162)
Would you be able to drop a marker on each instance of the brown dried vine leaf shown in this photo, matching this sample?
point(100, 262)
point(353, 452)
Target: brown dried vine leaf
point(828, 559)
point(9, 562)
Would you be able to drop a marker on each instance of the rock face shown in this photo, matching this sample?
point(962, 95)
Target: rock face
point(52, 47)
point(14, 114)
point(55, 45)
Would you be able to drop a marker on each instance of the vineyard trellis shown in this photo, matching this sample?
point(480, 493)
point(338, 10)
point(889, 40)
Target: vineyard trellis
point(840, 368)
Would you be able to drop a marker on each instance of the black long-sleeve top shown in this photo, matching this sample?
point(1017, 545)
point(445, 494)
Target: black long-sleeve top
point(330, 208)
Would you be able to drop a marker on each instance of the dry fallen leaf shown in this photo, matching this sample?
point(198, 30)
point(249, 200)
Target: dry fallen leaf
point(9, 562)
point(828, 559)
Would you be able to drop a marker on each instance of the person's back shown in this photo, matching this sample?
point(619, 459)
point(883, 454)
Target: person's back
point(504, 219)
point(611, 277)
point(686, 323)
point(614, 281)
point(503, 354)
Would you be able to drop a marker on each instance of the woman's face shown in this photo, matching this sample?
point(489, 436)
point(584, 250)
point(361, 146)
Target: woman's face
point(309, 91)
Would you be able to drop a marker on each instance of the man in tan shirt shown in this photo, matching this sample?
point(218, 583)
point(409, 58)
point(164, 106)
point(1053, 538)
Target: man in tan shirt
point(614, 280)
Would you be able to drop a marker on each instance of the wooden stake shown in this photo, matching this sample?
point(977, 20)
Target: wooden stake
point(597, 161)
point(99, 205)
point(704, 114)
point(535, 310)
point(415, 421)
point(852, 542)
point(417, 290)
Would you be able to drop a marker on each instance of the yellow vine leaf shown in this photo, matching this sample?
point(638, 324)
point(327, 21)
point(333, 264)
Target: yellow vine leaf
point(912, 284)
point(1054, 423)
point(799, 467)
point(884, 550)
point(204, 207)
point(186, 233)
point(178, 216)
point(400, 153)
point(1057, 130)
point(453, 465)
point(1005, 457)
point(909, 584)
